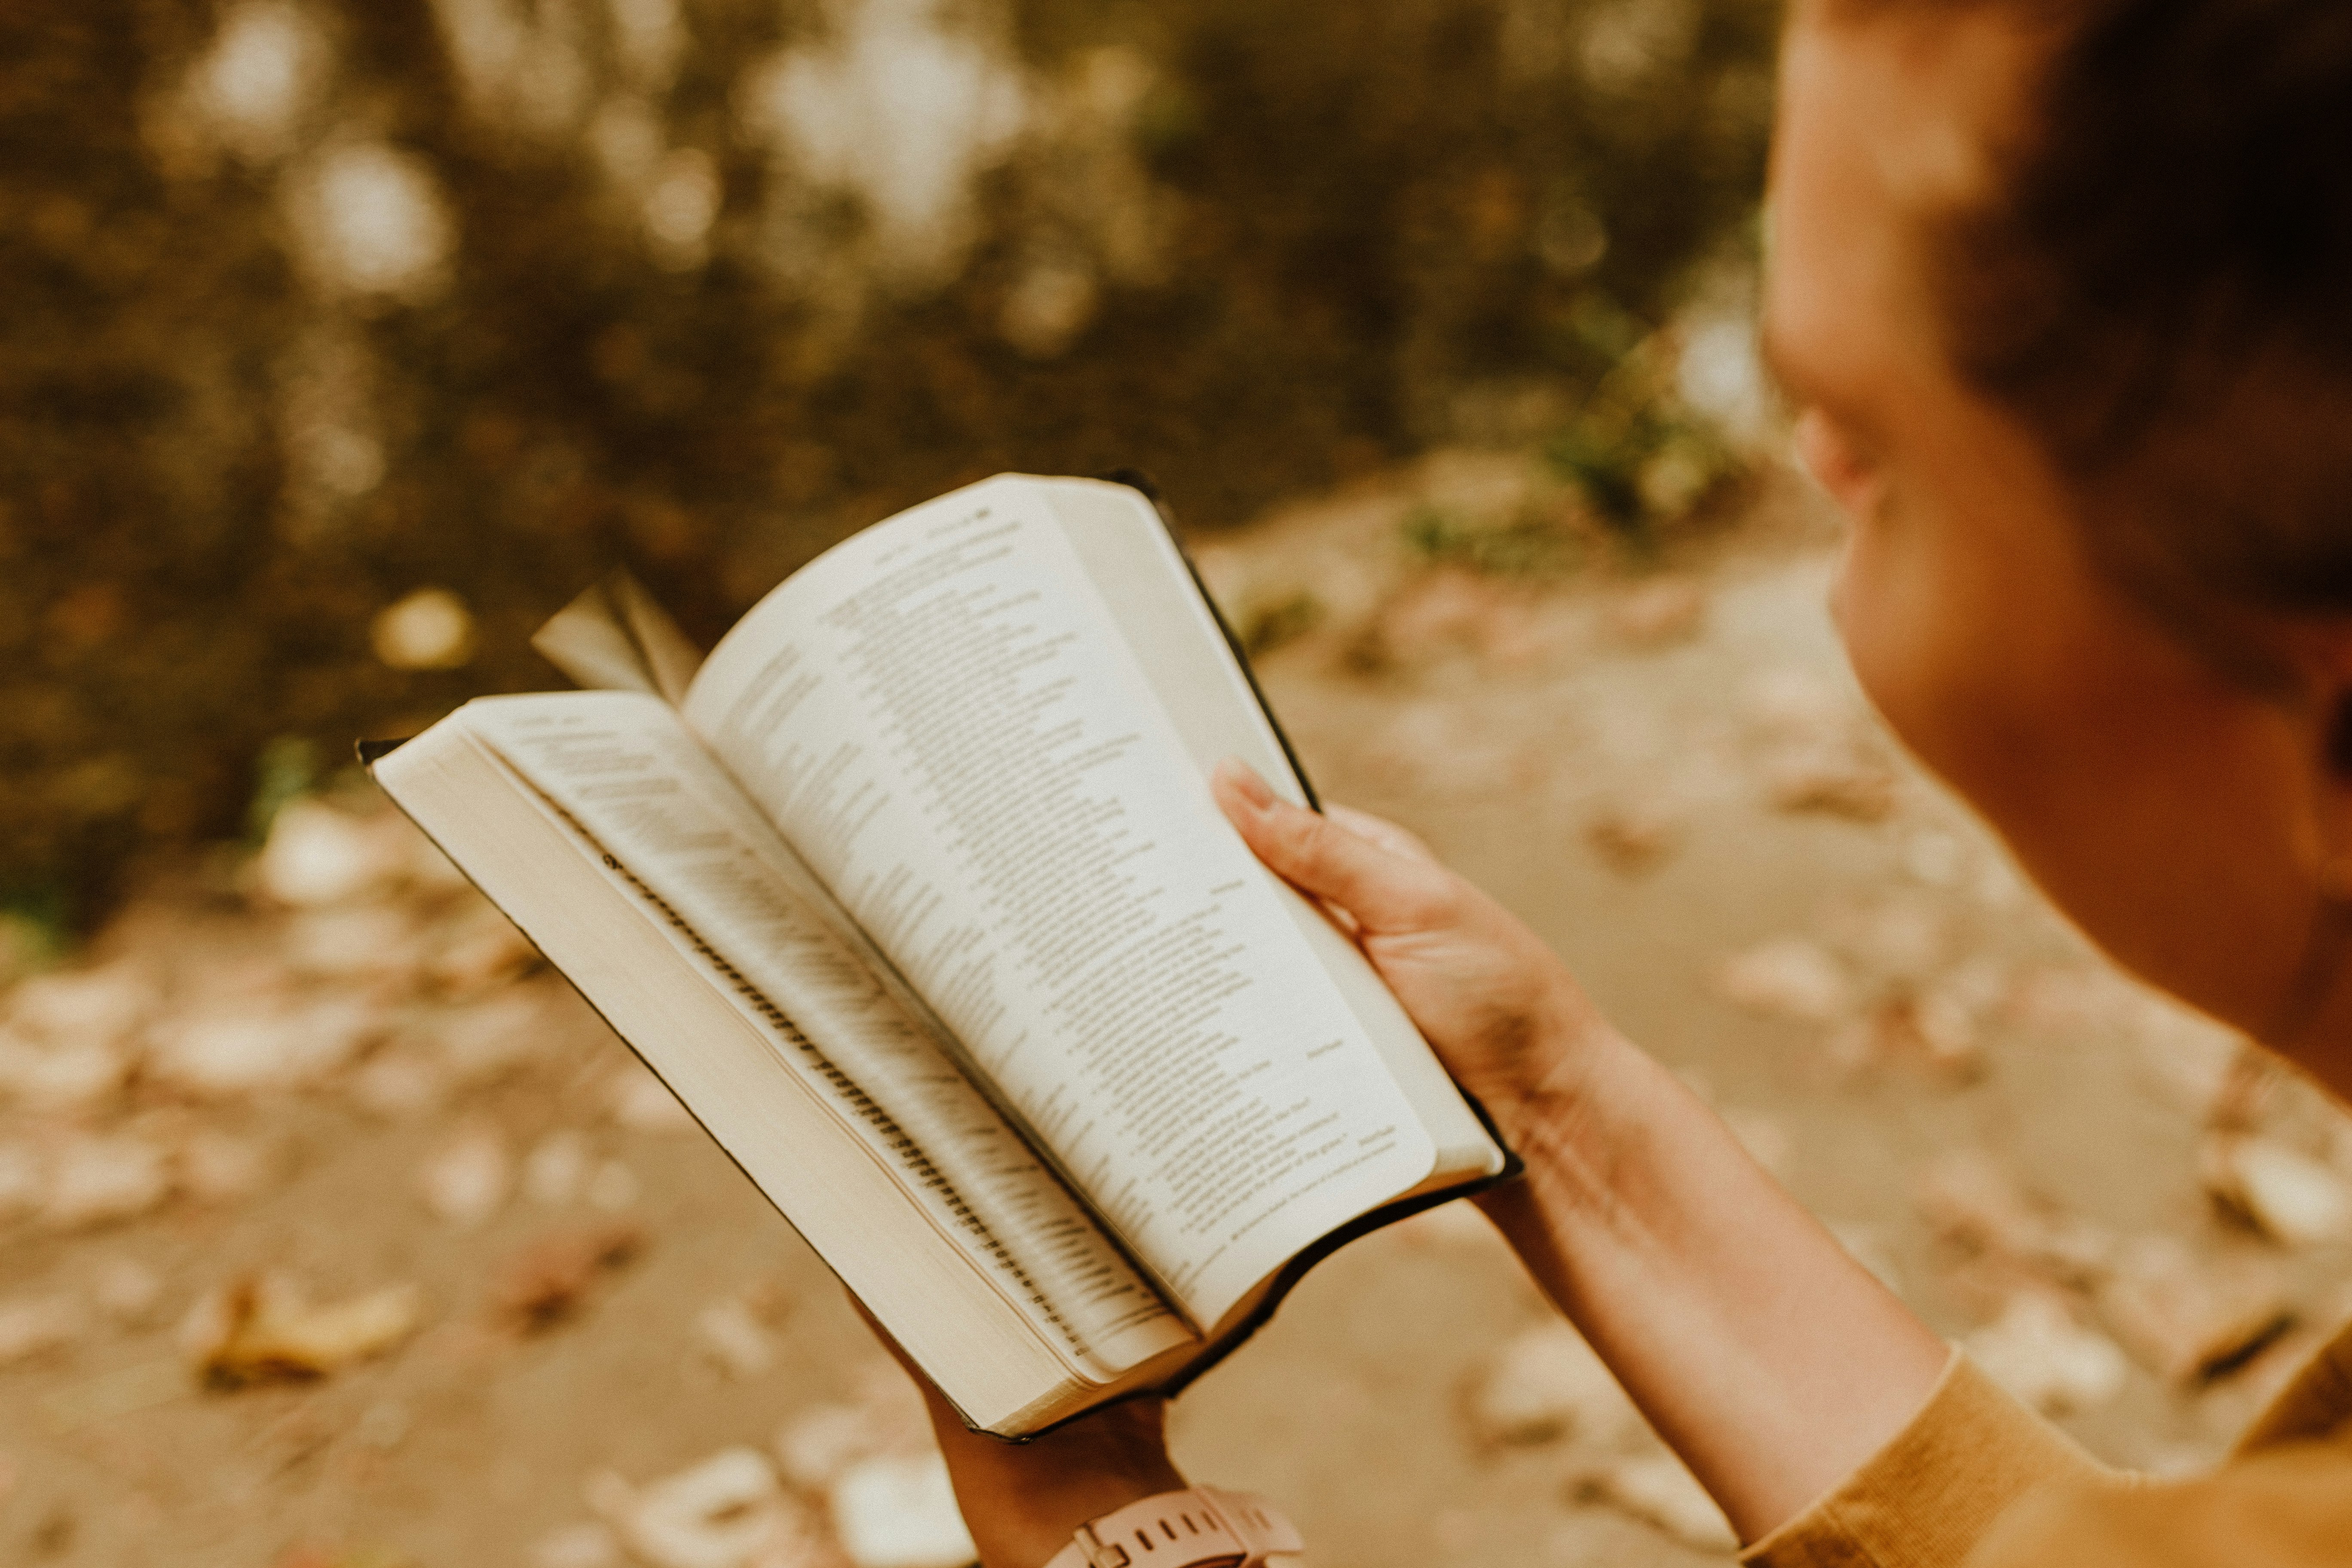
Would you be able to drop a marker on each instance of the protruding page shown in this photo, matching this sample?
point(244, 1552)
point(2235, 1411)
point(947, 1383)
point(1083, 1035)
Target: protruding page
point(616, 637)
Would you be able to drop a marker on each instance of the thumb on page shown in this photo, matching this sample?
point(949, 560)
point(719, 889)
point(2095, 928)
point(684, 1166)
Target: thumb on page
point(1376, 872)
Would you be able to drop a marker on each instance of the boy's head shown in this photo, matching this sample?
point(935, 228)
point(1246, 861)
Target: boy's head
point(2054, 286)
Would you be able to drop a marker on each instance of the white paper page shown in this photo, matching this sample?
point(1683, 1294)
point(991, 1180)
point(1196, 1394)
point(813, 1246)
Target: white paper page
point(1119, 540)
point(943, 718)
point(627, 774)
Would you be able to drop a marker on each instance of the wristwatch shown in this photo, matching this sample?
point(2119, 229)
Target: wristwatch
point(1200, 1527)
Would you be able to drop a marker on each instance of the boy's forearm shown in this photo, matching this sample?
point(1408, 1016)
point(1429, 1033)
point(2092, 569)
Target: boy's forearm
point(1768, 1358)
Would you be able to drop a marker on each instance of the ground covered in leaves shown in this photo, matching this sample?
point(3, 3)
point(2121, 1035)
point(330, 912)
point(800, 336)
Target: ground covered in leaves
point(334, 1232)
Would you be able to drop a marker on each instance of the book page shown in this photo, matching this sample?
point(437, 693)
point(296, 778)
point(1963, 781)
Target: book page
point(629, 778)
point(1164, 615)
point(941, 716)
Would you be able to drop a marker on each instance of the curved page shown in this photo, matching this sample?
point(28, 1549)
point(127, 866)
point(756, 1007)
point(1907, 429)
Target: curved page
point(941, 717)
point(667, 820)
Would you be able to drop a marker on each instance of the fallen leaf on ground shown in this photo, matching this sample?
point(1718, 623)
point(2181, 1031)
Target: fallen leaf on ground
point(2218, 1077)
point(550, 1281)
point(727, 1511)
point(2256, 1383)
point(35, 1325)
point(368, 942)
point(69, 1041)
point(1790, 977)
point(97, 1179)
point(126, 1290)
point(895, 1512)
point(61, 1075)
point(318, 855)
point(286, 1043)
point(1797, 706)
point(557, 1168)
point(1630, 840)
point(2040, 1352)
point(1816, 751)
point(1894, 935)
point(1545, 1384)
point(1933, 1031)
point(1835, 783)
point(1656, 1489)
point(266, 1329)
point(106, 1005)
point(1971, 1200)
point(735, 1339)
point(2287, 1195)
point(819, 1444)
point(2187, 1321)
point(469, 1179)
point(1668, 610)
point(587, 1544)
point(1934, 857)
point(399, 1081)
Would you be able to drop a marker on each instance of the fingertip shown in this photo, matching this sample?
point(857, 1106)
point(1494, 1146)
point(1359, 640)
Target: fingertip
point(1238, 778)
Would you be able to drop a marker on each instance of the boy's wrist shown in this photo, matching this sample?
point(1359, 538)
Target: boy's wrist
point(1027, 1530)
point(1022, 1502)
point(1567, 1076)
point(1585, 1133)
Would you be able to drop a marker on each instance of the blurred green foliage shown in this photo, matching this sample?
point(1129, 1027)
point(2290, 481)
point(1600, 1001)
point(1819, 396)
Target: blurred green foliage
point(1642, 460)
point(1376, 222)
point(1267, 624)
point(1538, 544)
point(285, 770)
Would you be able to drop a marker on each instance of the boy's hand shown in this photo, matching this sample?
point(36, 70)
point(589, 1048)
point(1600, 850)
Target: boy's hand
point(1503, 1013)
point(1764, 1356)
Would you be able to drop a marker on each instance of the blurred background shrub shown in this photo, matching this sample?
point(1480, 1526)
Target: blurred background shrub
point(347, 338)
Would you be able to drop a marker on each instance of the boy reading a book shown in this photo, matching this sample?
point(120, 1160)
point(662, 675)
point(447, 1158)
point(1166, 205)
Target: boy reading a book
point(2059, 293)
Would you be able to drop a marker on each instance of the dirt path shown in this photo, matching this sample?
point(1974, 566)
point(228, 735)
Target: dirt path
point(1671, 777)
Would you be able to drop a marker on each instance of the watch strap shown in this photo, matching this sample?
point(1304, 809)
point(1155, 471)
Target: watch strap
point(1200, 1527)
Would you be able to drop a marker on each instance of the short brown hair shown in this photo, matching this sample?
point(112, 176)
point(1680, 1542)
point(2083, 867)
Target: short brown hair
point(2161, 288)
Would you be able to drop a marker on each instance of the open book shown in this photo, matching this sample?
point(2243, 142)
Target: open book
point(914, 893)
